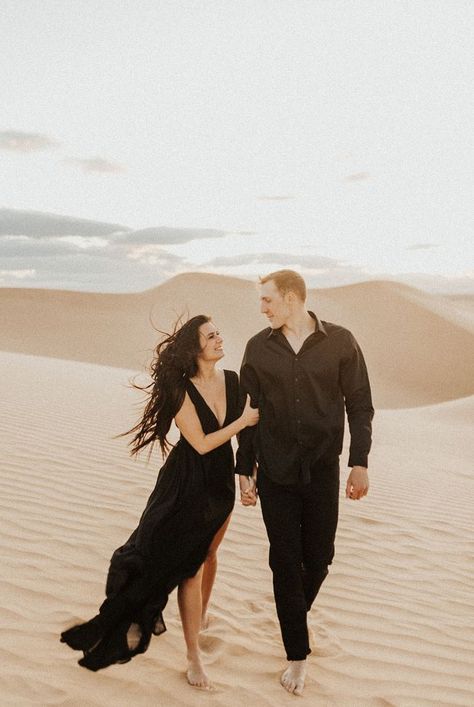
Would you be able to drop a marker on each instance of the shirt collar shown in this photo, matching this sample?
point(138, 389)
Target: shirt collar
point(319, 327)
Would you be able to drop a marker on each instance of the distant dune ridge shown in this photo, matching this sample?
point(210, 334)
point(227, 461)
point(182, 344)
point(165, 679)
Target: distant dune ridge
point(419, 347)
point(392, 625)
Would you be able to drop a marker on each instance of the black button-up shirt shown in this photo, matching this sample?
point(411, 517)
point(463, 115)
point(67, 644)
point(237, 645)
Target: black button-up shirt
point(301, 398)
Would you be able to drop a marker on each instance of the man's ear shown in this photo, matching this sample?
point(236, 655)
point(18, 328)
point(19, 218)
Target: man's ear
point(290, 297)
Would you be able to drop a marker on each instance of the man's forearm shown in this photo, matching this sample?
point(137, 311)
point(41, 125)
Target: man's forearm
point(358, 400)
point(245, 457)
point(360, 426)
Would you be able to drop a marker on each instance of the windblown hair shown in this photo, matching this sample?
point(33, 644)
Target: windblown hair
point(175, 360)
point(287, 281)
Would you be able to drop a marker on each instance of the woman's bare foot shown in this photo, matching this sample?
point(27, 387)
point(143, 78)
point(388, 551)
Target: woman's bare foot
point(294, 676)
point(196, 675)
point(134, 635)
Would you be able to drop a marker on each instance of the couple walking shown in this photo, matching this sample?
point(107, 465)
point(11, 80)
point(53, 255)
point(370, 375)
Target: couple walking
point(297, 377)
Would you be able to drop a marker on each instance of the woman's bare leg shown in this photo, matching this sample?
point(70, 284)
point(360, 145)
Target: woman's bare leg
point(190, 609)
point(209, 571)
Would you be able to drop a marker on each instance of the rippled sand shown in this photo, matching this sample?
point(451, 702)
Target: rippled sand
point(393, 622)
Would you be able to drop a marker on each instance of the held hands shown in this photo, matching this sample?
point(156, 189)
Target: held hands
point(248, 489)
point(358, 483)
point(248, 484)
point(250, 415)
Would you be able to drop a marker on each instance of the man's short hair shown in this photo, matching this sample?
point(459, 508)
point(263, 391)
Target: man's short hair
point(287, 281)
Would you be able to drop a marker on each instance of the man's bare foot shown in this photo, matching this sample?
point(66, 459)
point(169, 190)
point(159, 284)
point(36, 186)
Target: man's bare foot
point(196, 675)
point(294, 676)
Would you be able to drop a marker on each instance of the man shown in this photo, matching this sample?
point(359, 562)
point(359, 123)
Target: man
point(301, 372)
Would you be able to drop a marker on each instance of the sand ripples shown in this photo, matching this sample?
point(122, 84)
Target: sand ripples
point(392, 625)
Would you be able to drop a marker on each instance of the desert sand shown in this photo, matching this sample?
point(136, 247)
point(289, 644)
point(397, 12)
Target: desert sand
point(393, 622)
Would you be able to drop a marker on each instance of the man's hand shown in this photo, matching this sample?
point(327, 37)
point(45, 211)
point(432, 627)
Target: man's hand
point(358, 483)
point(248, 489)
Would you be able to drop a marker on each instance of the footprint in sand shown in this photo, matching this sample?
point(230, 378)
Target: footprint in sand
point(258, 607)
point(211, 645)
point(264, 613)
point(324, 643)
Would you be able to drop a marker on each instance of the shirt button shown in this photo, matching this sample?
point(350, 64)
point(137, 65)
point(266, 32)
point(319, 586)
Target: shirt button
point(296, 380)
point(299, 422)
point(297, 400)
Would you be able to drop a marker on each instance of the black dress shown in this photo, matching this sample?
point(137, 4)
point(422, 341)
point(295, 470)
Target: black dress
point(193, 496)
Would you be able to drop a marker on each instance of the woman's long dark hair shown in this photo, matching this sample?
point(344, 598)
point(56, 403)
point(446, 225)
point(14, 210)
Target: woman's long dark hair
point(175, 360)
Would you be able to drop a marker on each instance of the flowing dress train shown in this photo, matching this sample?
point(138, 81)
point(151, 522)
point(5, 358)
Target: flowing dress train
point(193, 496)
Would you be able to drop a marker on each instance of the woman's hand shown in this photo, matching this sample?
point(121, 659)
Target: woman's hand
point(250, 415)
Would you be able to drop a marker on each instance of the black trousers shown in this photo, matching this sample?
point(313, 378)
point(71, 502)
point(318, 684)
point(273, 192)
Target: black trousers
point(301, 522)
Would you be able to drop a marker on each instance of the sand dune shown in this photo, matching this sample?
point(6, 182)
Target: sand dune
point(392, 623)
point(419, 347)
point(391, 626)
point(465, 306)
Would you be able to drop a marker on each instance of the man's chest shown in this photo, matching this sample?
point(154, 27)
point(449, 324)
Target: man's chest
point(278, 365)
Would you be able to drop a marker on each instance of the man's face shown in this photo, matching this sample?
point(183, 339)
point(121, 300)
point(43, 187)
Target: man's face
point(274, 305)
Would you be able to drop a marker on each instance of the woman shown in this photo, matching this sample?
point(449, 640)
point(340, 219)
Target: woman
point(187, 513)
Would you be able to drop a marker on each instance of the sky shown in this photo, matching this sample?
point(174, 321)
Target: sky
point(142, 139)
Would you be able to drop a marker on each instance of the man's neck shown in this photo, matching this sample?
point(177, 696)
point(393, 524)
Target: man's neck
point(299, 325)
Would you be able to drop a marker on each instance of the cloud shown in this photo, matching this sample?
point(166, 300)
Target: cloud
point(153, 255)
point(164, 235)
point(26, 247)
point(95, 164)
point(357, 177)
point(85, 242)
point(17, 274)
point(95, 271)
point(37, 224)
point(43, 225)
point(284, 259)
point(72, 270)
point(423, 246)
point(73, 253)
point(79, 253)
point(284, 197)
point(18, 141)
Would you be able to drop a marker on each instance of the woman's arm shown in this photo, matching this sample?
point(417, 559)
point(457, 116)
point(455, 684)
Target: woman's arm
point(189, 425)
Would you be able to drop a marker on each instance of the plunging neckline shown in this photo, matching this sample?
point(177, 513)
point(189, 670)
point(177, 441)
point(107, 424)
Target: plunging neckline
point(207, 404)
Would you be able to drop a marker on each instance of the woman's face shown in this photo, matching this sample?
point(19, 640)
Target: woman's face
point(211, 342)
